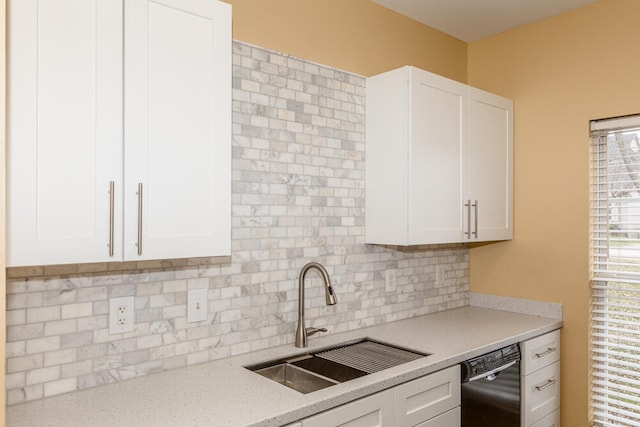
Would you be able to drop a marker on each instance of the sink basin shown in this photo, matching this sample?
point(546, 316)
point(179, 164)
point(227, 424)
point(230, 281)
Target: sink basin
point(295, 378)
point(343, 362)
point(328, 368)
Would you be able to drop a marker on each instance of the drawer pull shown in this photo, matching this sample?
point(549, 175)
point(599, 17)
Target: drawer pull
point(549, 382)
point(544, 353)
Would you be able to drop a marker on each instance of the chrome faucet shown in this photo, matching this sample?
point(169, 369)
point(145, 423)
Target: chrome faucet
point(302, 332)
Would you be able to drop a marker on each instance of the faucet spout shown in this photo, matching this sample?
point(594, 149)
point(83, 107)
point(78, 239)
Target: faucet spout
point(302, 332)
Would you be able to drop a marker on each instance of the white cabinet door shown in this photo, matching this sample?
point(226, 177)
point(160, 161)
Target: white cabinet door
point(551, 420)
point(453, 418)
point(430, 401)
point(372, 411)
point(64, 131)
point(177, 129)
point(540, 351)
point(489, 164)
point(387, 150)
point(416, 124)
point(540, 393)
point(427, 397)
point(438, 122)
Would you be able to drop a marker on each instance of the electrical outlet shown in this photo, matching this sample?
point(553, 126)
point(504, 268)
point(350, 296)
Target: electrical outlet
point(197, 305)
point(391, 280)
point(122, 315)
point(440, 272)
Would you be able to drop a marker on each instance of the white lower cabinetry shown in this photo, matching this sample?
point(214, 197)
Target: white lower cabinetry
point(427, 397)
point(551, 420)
point(430, 401)
point(448, 419)
point(372, 411)
point(540, 381)
point(540, 393)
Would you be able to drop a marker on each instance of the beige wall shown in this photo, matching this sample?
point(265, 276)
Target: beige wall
point(355, 35)
point(561, 73)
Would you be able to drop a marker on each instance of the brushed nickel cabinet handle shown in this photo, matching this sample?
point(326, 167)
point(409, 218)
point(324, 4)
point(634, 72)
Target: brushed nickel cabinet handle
point(475, 233)
point(139, 243)
point(550, 382)
point(544, 353)
point(468, 206)
point(111, 215)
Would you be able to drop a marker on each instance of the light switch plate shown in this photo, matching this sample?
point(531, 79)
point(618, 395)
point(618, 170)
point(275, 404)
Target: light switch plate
point(391, 280)
point(122, 315)
point(197, 302)
point(440, 273)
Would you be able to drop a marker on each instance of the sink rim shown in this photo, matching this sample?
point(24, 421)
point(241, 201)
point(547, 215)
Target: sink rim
point(308, 354)
point(291, 360)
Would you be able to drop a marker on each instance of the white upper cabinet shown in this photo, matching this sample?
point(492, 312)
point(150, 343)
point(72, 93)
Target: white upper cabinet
point(177, 129)
point(438, 161)
point(79, 141)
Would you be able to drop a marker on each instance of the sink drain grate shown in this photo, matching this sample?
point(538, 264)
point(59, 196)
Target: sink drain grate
point(370, 356)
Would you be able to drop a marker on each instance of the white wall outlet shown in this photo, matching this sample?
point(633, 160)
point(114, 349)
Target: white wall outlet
point(122, 315)
point(440, 272)
point(197, 303)
point(391, 280)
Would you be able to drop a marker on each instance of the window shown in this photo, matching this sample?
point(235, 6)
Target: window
point(615, 272)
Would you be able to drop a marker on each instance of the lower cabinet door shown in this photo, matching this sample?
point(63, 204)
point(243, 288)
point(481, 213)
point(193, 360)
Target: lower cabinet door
point(551, 420)
point(426, 397)
point(540, 393)
point(448, 419)
point(539, 352)
point(372, 411)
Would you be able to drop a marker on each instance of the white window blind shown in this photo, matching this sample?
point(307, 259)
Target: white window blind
point(615, 272)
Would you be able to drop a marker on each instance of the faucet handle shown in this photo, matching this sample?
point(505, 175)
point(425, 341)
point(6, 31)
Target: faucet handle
point(312, 331)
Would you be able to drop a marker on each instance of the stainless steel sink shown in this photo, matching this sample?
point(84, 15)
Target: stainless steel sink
point(309, 372)
point(295, 378)
point(328, 368)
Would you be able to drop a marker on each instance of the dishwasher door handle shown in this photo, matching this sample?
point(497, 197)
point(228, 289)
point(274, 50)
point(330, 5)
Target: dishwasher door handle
point(492, 373)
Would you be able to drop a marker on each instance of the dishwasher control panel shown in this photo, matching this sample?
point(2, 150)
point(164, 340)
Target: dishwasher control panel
point(489, 362)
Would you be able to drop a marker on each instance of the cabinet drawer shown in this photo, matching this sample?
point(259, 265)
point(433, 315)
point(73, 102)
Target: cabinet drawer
point(551, 420)
point(426, 397)
point(448, 419)
point(540, 352)
point(372, 411)
point(540, 393)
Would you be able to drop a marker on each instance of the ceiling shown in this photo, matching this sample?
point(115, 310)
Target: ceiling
point(471, 20)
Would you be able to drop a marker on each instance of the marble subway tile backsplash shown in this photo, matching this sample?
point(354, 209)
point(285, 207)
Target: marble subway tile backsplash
point(298, 196)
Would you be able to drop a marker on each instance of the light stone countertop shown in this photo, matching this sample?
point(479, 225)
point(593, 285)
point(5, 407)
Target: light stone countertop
point(223, 393)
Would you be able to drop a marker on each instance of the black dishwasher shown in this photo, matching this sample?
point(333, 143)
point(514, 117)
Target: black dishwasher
point(491, 389)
